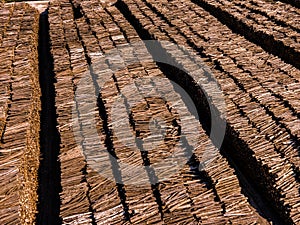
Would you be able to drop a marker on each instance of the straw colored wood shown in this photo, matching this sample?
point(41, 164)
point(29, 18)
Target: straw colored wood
point(20, 119)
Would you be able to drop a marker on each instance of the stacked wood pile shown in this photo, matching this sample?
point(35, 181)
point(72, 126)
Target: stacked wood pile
point(210, 197)
point(279, 38)
point(114, 169)
point(251, 62)
point(279, 12)
point(216, 171)
point(19, 112)
point(280, 20)
point(258, 87)
point(74, 187)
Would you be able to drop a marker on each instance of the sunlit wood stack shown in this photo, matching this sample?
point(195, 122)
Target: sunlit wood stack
point(256, 87)
point(20, 119)
point(127, 146)
point(175, 200)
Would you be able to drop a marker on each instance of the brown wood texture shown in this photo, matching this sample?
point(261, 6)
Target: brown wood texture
point(257, 27)
point(227, 62)
point(173, 201)
point(20, 108)
point(144, 157)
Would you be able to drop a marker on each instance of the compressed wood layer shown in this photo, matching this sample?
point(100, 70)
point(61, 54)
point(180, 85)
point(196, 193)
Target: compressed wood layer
point(20, 107)
point(249, 78)
point(210, 197)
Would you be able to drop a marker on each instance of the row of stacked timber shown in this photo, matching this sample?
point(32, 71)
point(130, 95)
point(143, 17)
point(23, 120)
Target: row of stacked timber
point(73, 166)
point(271, 34)
point(109, 176)
point(250, 68)
point(279, 12)
point(132, 150)
point(258, 87)
point(282, 27)
point(19, 112)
